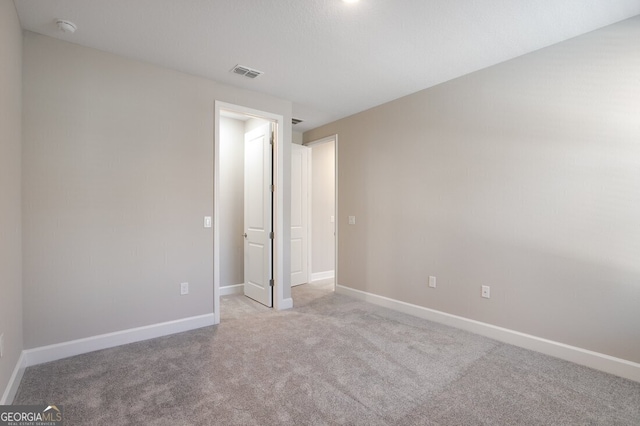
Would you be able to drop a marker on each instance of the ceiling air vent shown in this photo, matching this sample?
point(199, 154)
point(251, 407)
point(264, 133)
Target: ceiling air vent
point(246, 71)
point(295, 121)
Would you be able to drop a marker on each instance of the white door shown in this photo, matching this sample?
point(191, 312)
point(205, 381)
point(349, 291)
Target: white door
point(258, 244)
point(300, 164)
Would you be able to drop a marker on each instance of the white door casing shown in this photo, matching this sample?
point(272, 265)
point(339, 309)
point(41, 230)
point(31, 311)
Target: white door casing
point(281, 157)
point(258, 225)
point(300, 174)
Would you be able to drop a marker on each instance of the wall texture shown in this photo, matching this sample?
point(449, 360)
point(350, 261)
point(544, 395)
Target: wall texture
point(10, 189)
point(323, 197)
point(118, 175)
point(524, 176)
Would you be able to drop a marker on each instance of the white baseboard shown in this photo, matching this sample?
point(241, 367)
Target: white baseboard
point(14, 381)
point(231, 289)
point(103, 341)
point(317, 276)
point(239, 289)
point(609, 364)
point(286, 304)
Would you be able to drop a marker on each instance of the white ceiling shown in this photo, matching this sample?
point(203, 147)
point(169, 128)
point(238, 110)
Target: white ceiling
point(332, 59)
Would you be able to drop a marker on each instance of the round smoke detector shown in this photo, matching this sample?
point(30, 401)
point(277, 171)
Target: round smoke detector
point(66, 26)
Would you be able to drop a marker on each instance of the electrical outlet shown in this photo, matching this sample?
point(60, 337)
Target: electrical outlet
point(184, 288)
point(486, 291)
point(352, 220)
point(432, 281)
point(1, 345)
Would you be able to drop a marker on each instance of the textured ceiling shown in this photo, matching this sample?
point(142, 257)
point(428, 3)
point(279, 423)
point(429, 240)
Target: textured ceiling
point(332, 59)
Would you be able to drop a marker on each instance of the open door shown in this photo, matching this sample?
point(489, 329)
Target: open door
point(300, 165)
point(258, 212)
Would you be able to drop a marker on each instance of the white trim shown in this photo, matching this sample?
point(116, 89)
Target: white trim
point(232, 289)
point(309, 211)
point(278, 220)
point(286, 304)
point(336, 213)
point(103, 341)
point(14, 382)
point(609, 364)
point(317, 276)
point(320, 141)
point(216, 214)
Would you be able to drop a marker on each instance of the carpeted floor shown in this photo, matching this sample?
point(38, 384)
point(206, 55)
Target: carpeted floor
point(330, 360)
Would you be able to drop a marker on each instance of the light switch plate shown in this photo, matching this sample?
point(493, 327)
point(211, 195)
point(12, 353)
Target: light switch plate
point(207, 221)
point(333, 219)
point(184, 288)
point(352, 220)
point(1, 345)
point(432, 281)
point(486, 291)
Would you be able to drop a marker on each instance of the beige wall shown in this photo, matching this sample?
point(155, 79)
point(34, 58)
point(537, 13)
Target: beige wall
point(296, 137)
point(231, 201)
point(118, 175)
point(10, 196)
point(524, 176)
point(322, 207)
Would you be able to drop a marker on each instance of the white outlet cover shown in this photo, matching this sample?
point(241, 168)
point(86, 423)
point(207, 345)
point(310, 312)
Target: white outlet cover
point(486, 291)
point(184, 288)
point(1, 345)
point(352, 220)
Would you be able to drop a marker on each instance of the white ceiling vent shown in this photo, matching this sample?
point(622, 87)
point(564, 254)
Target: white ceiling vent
point(246, 71)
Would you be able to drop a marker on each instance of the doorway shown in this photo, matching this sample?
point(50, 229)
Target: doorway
point(300, 214)
point(323, 210)
point(246, 135)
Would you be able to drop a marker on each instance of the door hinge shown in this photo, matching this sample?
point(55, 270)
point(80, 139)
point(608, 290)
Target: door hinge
point(271, 283)
point(271, 235)
point(273, 137)
point(273, 188)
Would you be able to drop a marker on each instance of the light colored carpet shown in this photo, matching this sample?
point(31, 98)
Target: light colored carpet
point(330, 360)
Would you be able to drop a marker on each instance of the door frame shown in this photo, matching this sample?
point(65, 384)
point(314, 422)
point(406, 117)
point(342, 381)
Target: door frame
point(330, 138)
point(279, 302)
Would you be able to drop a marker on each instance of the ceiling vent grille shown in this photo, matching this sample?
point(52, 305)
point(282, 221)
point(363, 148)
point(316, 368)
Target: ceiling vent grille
point(295, 121)
point(246, 71)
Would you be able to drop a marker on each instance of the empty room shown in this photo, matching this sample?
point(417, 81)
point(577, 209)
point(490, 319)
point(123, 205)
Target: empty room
point(363, 212)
